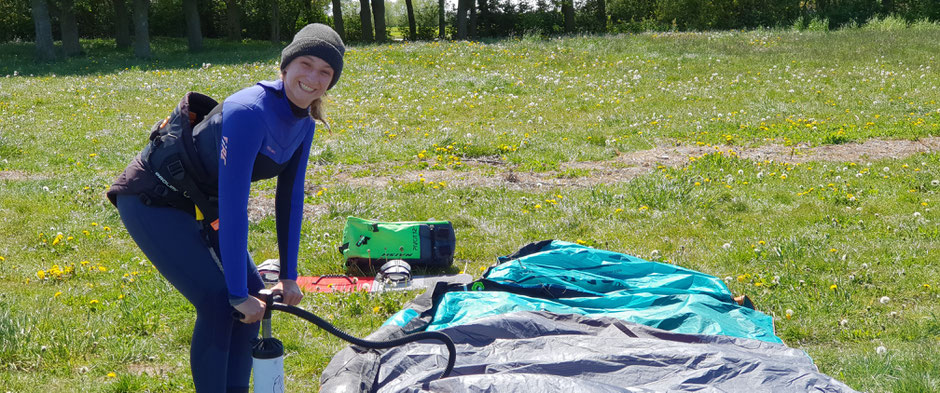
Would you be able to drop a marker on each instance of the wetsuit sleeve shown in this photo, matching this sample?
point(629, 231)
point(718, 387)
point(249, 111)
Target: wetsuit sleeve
point(288, 208)
point(242, 135)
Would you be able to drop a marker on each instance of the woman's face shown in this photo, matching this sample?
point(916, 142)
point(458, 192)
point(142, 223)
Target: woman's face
point(306, 78)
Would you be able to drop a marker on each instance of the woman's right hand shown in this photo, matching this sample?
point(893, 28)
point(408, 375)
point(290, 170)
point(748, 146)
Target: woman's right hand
point(252, 309)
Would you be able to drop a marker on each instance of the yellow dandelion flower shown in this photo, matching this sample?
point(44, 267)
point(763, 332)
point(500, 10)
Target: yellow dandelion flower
point(41, 274)
point(94, 302)
point(833, 287)
point(57, 294)
point(112, 375)
point(376, 309)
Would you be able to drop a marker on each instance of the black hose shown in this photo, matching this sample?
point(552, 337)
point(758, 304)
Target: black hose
point(311, 317)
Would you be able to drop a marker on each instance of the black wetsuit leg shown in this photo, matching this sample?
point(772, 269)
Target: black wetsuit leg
point(220, 352)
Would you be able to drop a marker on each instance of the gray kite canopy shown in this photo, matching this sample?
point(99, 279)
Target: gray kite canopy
point(557, 316)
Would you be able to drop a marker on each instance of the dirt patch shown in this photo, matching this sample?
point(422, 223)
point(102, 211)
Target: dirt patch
point(490, 173)
point(19, 175)
point(152, 370)
point(262, 206)
point(496, 174)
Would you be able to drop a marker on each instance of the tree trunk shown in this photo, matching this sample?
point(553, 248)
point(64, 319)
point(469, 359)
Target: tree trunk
point(308, 13)
point(567, 9)
point(141, 29)
point(122, 28)
point(338, 19)
point(70, 44)
point(602, 14)
point(440, 19)
point(472, 31)
point(44, 48)
point(462, 19)
point(378, 13)
point(233, 16)
point(483, 15)
point(412, 25)
point(365, 17)
point(275, 22)
point(193, 30)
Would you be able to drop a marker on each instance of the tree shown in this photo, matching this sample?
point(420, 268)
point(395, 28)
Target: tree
point(141, 29)
point(365, 17)
point(483, 15)
point(193, 30)
point(462, 8)
point(275, 22)
point(412, 25)
point(472, 31)
point(122, 29)
point(567, 9)
point(70, 44)
point(233, 17)
point(338, 19)
point(378, 13)
point(440, 19)
point(44, 48)
point(602, 14)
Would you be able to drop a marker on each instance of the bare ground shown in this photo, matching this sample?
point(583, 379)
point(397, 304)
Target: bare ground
point(495, 174)
point(626, 166)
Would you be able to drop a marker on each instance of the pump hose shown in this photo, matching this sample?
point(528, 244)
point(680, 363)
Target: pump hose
point(311, 317)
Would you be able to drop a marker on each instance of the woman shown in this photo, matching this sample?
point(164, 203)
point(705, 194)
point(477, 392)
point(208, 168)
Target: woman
point(262, 131)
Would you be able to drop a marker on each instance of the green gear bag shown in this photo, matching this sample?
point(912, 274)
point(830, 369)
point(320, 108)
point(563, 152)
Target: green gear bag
point(420, 243)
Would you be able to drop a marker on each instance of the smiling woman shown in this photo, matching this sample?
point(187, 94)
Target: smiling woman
point(185, 203)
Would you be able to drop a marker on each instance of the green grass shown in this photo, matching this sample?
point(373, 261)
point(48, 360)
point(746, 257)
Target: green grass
point(827, 241)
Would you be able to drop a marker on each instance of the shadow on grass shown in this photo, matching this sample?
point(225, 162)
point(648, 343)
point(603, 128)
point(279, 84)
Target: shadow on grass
point(102, 57)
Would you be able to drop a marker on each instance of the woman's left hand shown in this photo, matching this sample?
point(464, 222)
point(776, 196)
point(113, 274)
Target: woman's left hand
point(289, 291)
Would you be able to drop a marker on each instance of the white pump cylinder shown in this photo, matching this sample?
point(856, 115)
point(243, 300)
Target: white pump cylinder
point(269, 375)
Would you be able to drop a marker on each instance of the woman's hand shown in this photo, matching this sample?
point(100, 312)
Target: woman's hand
point(290, 291)
point(252, 309)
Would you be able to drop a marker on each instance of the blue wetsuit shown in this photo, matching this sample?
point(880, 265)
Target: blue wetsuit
point(260, 135)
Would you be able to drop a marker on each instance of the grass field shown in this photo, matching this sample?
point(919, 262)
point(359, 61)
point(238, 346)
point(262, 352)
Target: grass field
point(842, 252)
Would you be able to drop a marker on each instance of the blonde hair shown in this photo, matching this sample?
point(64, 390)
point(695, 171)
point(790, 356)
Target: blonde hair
point(317, 113)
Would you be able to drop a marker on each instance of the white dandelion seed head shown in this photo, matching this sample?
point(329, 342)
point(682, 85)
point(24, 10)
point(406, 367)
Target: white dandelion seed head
point(864, 266)
point(838, 178)
point(728, 279)
point(726, 246)
point(884, 300)
point(893, 314)
point(881, 350)
point(886, 169)
point(789, 312)
point(741, 172)
point(916, 214)
point(844, 322)
point(935, 182)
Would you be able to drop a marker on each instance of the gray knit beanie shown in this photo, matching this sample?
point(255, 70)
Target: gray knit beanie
point(317, 39)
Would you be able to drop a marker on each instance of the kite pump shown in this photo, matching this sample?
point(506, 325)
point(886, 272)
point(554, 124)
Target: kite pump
point(268, 352)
